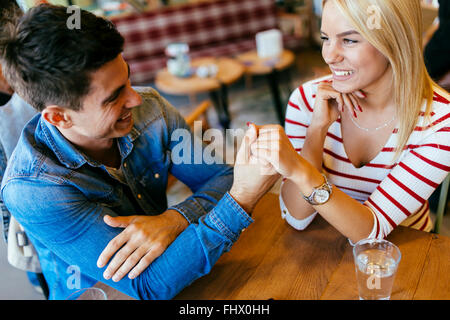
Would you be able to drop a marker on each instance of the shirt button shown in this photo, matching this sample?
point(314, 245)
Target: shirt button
point(124, 165)
point(156, 175)
point(139, 196)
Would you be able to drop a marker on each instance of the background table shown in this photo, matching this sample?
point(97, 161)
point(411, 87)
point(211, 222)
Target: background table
point(229, 71)
point(272, 260)
point(269, 67)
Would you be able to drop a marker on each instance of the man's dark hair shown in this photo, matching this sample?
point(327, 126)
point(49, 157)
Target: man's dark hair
point(48, 63)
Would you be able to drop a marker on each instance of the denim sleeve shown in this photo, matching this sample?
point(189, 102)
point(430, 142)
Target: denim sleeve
point(208, 177)
point(72, 228)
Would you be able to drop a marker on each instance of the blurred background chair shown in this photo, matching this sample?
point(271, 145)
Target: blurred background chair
point(442, 205)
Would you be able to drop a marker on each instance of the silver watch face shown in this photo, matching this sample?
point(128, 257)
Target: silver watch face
point(321, 196)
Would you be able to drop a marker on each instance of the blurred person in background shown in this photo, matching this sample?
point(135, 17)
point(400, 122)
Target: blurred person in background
point(437, 51)
point(14, 114)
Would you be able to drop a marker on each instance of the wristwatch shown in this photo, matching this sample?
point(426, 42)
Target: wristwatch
point(321, 194)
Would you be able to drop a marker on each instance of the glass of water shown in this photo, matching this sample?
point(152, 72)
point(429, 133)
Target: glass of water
point(376, 263)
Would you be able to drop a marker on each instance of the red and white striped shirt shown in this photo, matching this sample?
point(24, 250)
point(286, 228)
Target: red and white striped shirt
point(396, 192)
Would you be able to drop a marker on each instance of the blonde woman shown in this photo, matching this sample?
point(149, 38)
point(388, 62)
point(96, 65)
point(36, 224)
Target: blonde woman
point(366, 146)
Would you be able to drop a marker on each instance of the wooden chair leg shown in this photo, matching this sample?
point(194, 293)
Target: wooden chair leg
point(198, 112)
point(248, 81)
point(193, 99)
point(171, 181)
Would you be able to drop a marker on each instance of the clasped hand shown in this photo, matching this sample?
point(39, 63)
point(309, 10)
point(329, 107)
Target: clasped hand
point(272, 147)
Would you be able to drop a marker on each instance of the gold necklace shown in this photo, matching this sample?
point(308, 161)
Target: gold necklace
point(372, 129)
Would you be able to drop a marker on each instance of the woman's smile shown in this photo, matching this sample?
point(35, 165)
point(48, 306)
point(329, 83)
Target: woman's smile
point(342, 75)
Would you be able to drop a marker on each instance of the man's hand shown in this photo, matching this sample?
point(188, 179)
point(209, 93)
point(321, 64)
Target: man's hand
point(274, 147)
point(252, 177)
point(144, 239)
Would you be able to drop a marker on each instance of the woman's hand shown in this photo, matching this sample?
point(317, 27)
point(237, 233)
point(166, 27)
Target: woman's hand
point(253, 177)
point(330, 104)
point(144, 239)
point(273, 146)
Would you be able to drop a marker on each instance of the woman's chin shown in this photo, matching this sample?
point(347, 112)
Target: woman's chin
point(344, 87)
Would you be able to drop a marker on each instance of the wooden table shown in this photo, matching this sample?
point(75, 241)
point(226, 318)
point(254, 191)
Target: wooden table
point(272, 260)
point(229, 71)
point(269, 67)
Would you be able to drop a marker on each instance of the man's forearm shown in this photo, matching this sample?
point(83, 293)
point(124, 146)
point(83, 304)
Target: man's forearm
point(194, 252)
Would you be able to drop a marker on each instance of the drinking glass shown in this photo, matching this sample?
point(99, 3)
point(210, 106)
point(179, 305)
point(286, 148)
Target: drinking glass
point(376, 263)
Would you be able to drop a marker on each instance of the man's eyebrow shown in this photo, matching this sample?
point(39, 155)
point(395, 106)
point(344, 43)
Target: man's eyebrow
point(116, 92)
point(343, 34)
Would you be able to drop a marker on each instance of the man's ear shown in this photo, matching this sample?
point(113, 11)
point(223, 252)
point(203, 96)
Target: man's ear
point(57, 116)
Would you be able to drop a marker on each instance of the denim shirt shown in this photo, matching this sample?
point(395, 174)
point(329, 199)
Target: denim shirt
point(60, 196)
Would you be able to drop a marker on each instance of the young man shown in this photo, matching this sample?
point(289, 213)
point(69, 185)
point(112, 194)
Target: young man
point(99, 150)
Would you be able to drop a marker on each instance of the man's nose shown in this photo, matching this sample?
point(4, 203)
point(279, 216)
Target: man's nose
point(134, 99)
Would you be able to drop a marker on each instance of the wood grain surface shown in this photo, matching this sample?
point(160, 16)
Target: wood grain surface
point(271, 260)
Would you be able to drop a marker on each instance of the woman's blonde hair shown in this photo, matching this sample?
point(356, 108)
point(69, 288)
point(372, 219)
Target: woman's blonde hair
point(394, 27)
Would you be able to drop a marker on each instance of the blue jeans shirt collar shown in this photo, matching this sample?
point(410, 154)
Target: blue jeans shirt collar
point(70, 156)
